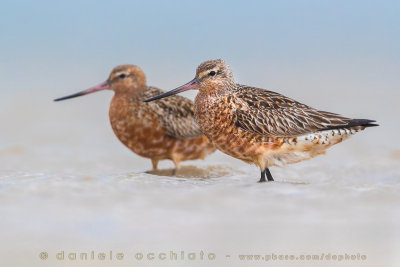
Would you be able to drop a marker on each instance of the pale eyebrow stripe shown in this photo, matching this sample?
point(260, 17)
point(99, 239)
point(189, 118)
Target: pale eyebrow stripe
point(205, 72)
point(119, 73)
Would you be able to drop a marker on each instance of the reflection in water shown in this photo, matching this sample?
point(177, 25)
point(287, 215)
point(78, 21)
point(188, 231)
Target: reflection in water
point(189, 171)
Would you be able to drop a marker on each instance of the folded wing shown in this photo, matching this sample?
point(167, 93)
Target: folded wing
point(176, 115)
point(271, 114)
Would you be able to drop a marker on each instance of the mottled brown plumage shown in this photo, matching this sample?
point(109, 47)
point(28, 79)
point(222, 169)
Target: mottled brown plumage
point(259, 126)
point(159, 130)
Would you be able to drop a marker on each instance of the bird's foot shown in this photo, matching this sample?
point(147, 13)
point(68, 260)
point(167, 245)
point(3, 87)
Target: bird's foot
point(267, 173)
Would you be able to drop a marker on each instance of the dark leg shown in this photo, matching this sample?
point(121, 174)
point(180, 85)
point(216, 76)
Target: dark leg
point(262, 179)
point(269, 176)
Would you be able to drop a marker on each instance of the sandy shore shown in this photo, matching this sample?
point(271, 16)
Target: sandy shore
point(68, 186)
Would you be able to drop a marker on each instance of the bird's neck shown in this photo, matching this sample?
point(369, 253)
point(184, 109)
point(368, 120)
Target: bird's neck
point(129, 93)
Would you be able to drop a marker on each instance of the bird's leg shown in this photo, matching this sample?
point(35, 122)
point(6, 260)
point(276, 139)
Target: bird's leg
point(269, 175)
point(262, 179)
point(154, 162)
point(176, 163)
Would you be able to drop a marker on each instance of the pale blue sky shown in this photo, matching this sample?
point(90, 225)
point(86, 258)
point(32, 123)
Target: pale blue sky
point(54, 45)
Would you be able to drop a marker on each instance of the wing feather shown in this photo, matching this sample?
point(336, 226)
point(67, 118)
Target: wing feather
point(271, 114)
point(176, 114)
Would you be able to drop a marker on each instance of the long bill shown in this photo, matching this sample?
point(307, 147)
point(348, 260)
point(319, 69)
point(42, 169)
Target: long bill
point(103, 86)
point(188, 86)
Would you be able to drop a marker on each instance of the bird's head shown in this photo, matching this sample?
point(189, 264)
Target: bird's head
point(123, 79)
point(212, 76)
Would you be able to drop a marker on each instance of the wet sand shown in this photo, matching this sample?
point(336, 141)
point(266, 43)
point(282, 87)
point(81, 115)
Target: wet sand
point(67, 184)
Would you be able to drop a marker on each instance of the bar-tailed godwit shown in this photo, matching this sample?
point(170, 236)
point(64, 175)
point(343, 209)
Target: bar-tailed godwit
point(259, 126)
point(159, 130)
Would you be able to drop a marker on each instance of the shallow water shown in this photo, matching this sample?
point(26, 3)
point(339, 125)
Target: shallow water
point(67, 184)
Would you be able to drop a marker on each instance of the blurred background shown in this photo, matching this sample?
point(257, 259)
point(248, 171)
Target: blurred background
point(67, 184)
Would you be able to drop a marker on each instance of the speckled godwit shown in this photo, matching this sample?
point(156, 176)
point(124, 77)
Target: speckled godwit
point(158, 130)
point(259, 126)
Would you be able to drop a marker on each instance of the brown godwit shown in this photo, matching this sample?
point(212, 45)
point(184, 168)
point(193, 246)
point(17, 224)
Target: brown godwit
point(159, 130)
point(259, 126)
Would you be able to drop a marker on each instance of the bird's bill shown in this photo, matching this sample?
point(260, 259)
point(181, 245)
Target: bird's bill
point(103, 86)
point(188, 86)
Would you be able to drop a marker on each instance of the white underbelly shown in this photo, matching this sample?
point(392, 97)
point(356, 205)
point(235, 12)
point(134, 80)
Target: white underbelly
point(306, 146)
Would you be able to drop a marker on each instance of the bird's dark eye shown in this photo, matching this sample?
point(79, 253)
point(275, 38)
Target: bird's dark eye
point(123, 75)
point(212, 73)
